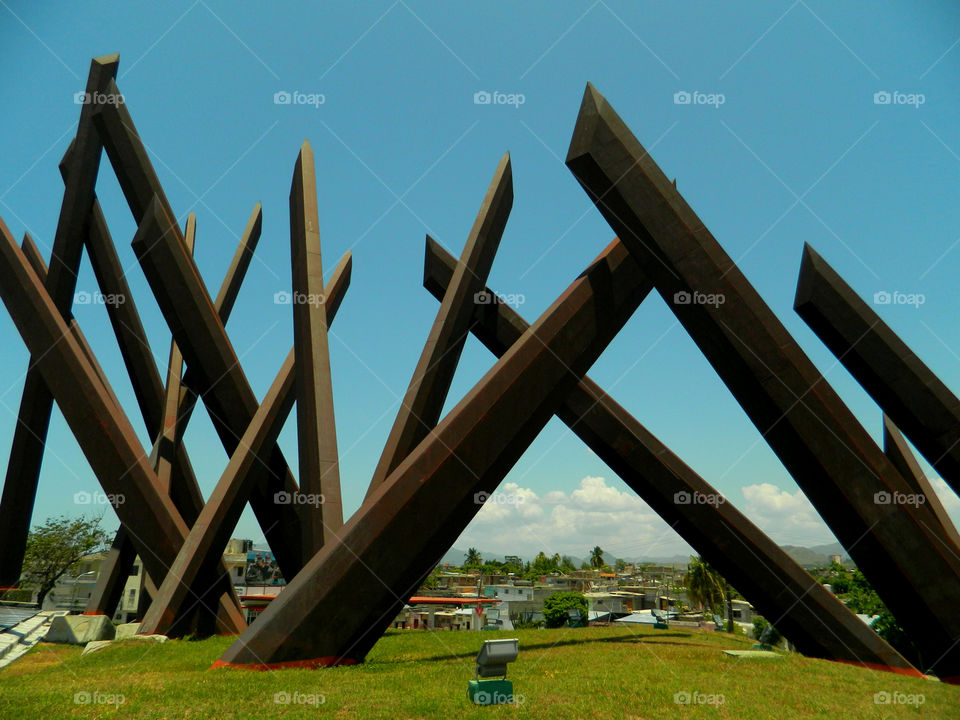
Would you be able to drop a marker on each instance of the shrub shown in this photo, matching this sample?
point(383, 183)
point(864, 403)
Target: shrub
point(557, 607)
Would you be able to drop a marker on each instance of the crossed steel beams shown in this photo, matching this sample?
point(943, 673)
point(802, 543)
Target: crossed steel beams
point(210, 533)
point(33, 419)
point(337, 608)
point(213, 372)
point(419, 498)
point(423, 402)
point(819, 441)
point(102, 429)
point(898, 381)
point(817, 623)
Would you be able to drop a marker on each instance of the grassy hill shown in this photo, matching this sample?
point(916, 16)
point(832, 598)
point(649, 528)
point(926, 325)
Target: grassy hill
point(593, 672)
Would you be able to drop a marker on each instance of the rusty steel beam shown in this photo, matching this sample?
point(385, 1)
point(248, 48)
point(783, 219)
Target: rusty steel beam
point(227, 295)
point(423, 402)
point(231, 403)
point(230, 287)
point(209, 535)
point(116, 566)
point(820, 442)
point(337, 607)
point(181, 482)
point(316, 426)
point(212, 530)
point(33, 417)
point(168, 438)
point(896, 449)
point(39, 266)
point(921, 405)
point(101, 428)
point(107, 593)
point(225, 391)
point(809, 615)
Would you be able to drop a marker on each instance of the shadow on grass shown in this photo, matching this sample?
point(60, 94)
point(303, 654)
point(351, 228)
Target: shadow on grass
point(625, 639)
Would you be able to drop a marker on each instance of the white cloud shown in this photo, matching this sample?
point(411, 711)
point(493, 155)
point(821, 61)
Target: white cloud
point(594, 513)
point(787, 517)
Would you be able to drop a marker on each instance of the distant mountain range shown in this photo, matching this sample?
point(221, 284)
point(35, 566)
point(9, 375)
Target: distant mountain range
point(818, 555)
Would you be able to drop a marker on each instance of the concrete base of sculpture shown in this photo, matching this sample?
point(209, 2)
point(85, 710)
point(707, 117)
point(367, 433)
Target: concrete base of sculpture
point(127, 630)
point(752, 654)
point(80, 629)
point(97, 645)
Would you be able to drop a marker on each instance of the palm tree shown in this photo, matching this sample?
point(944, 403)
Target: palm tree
point(596, 557)
point(705, 586)
point(473, 557)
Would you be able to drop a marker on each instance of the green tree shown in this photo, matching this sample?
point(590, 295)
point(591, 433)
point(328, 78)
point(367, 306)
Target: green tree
point(596, 557)
point(566, 564)
point(621, 565)
point(890, 630)
point(557, 607)
point(705, 586)
point(473, 558)
point(543, 565)
point(56, 547)
point(759, 626)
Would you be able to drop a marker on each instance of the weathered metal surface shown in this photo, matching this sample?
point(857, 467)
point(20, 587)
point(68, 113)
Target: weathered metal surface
point(100, 426)
point(423, 402)
point(895, 447)
point(33, 417)
point(810, 616)
point(212, 530)
point(221, 382)
point(921, 405)
point(140, 185)
point(338, 606)
point(229, 289)
point(316, 425)
point(821, 443)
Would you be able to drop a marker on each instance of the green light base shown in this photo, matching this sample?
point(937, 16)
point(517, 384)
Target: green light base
point(490, 692)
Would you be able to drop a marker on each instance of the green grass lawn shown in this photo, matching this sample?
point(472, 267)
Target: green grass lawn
point(598, 672)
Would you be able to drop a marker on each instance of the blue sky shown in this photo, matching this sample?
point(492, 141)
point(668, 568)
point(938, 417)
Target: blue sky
point(798, 151)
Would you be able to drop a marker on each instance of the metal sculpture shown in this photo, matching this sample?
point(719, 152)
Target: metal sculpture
point(349, 579)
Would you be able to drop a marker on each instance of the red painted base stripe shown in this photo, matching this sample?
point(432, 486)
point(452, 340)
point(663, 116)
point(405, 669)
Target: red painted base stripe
point(329, 661)
point(907, 671)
